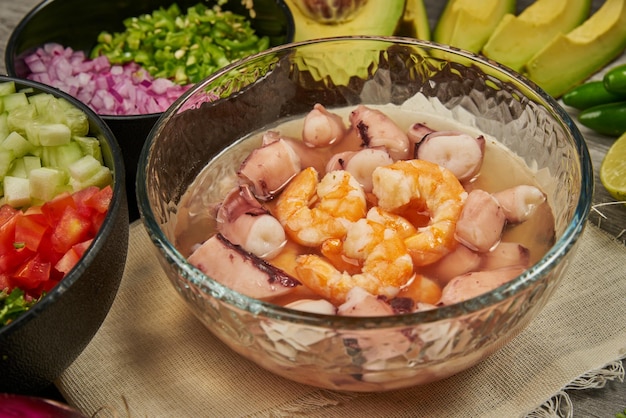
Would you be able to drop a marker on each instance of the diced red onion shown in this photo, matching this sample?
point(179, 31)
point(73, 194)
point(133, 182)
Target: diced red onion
point(108, 89)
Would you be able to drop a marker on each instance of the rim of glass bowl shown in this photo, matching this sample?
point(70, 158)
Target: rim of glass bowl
point(109, 222)
point(536, 272)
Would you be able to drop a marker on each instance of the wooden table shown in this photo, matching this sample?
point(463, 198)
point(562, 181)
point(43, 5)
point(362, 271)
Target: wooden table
point(605, 402)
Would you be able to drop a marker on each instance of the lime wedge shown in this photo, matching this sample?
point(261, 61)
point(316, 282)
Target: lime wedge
point(613, 169)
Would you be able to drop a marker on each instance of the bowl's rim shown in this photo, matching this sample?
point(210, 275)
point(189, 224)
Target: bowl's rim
point(534, 274)
point(16, 32)
point(109, 223)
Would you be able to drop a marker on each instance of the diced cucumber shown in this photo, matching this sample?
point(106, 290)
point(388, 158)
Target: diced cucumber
point(67, 154)
point(84, 168)
point(90, 146)
point(18, 144)
point(45, 148)
point(14, 100)
point(46, 182)
point(6, 159)
point(75, 118)
point(100, 178)
point(17, 191)
point(18, 169)
point(19, 119)
point(53, 134)
point(4, 125)
point(31, 162)
point(7, 87)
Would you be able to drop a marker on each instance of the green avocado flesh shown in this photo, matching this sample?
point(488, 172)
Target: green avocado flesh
point(517, 38)
point(375, 17)
point(467, 24)
point(571, 58)
point(414, 22)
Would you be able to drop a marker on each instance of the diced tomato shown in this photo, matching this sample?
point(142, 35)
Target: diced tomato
point(30, 230)
point(101, 200)
point(54, 208)
point(81, 198)
point(81, 247)
point(6, 213)
point(68, 261)
point(13, 259)
point(32, 273)
point(71, 229)
point(5, 282)
point(41, 244)
point(7, 232)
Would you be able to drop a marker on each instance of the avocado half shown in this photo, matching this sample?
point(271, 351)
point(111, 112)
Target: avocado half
point(373, 17)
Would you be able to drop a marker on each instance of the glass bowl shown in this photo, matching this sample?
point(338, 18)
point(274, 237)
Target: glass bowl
point(374, 353)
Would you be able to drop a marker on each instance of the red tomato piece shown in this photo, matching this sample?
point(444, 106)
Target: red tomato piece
point(71, 229)
point(32, 273)
point(101, 200)
point(30, 229)
point(54, 208)
point(6, 213)
point(5, 282)
point(11, 260)
point(7, 231)
point(68, 261)
point(81, 247)
point(81, 198)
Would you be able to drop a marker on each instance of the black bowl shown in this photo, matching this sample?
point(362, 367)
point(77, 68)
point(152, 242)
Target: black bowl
point(49, 22)
point(41, 343)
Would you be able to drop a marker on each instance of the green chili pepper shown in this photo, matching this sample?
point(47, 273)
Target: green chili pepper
point(590, 94)
point(183, 48)
point(615, 79)
point(607, 119)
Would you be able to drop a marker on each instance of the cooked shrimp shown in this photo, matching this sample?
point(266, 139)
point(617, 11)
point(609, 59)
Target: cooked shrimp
point(385, 270)
point(312, 211)
point(422, 184)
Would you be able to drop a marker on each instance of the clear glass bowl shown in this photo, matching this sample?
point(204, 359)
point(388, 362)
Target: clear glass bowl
point(373, 353)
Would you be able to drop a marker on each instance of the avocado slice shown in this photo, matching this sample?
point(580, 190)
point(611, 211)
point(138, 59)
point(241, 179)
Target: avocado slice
point(467, 24)
point(569, 59)
point(414, 22)
point(517, 38)
point(373, 17)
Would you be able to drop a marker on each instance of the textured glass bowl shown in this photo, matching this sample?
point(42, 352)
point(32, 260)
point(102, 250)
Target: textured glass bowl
point(378, 353)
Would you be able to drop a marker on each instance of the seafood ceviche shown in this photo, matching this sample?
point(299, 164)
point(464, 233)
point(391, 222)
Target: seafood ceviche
point(372, 213)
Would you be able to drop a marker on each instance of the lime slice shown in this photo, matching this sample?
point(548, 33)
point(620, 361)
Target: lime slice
point(613, 169)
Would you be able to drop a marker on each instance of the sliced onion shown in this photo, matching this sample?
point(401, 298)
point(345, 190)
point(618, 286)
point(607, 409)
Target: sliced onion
point(108, 89)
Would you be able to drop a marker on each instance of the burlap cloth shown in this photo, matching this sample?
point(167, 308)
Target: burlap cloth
point(153, 358)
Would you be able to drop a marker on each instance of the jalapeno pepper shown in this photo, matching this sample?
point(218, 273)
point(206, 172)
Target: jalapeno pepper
point(608, 119)
point(615, 79)
point(590, 94)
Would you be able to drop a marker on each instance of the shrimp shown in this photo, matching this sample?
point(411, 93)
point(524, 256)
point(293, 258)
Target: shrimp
point(409, 184)
point(312, 211)
point(386, 264)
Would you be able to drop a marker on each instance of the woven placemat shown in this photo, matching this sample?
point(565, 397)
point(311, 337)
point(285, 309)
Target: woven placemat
point(153, 358)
